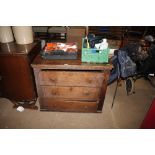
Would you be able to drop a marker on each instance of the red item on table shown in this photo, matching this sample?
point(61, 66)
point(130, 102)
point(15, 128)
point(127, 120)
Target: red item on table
point(66, 47)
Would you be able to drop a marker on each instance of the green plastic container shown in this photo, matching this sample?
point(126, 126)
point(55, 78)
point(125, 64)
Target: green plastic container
point(95, 56)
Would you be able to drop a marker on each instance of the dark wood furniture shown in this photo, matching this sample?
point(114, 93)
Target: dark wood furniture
point(17, 80)
point(109, 32)
point(75, 34)
point(50, 33)
point(70, 85)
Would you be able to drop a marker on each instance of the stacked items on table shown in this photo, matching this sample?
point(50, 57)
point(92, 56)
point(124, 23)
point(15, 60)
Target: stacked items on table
point(60, 51)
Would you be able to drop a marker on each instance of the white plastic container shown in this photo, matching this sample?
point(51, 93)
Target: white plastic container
point(23, 34)
point(103, 45)
point(6, 35)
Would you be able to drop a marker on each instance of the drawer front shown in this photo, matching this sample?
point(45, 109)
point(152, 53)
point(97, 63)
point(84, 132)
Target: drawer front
point(71, 78)
point(79, 93)
point(49, 104)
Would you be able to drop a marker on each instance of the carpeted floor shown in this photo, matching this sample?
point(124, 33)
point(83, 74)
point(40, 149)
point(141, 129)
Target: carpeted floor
point(128, 112)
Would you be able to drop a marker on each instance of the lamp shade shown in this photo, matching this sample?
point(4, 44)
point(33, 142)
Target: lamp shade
point(6, 34)
point(23, 34)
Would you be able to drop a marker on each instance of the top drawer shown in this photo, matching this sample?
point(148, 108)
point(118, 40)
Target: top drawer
point(71, 78)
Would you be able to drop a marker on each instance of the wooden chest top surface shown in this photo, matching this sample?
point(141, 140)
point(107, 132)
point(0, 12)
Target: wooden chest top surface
point(42, 63)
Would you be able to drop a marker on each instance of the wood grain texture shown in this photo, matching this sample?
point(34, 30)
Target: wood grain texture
point(17, 49)
point(103, 91)
point(17, 75)
point(17, 82)
point(39, 62)
point(79, 93)
point(75, 34)
point(70, 85)
point(71, 78)
point(49, 104)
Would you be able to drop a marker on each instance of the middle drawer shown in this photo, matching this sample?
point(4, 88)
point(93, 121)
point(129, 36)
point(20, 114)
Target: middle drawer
point(74, 93)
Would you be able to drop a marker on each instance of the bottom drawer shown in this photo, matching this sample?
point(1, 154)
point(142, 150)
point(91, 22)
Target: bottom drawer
point(49, 104)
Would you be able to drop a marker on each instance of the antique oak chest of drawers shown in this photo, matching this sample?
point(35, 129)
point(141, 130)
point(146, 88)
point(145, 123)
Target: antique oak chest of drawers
point(70, 85)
